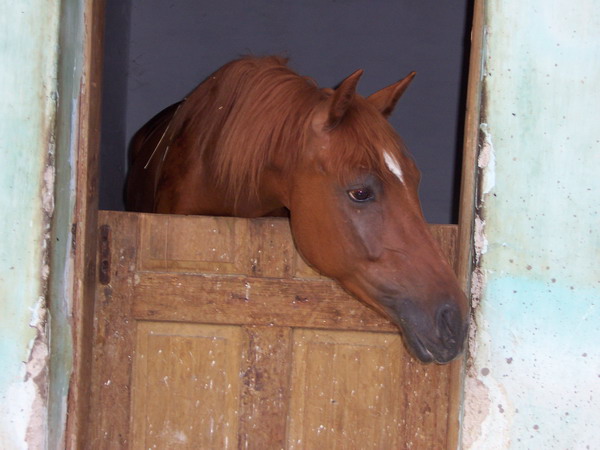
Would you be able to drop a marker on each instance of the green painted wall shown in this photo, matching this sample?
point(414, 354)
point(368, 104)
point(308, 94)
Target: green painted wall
point(70, 73)
point(28, 68)
point(534, 382)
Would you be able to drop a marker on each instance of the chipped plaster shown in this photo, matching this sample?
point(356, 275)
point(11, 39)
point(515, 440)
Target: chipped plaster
point(28, 58)
point(533, 378)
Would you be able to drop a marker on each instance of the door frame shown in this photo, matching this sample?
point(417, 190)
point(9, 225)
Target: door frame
point(84, 235)
point(84, 228)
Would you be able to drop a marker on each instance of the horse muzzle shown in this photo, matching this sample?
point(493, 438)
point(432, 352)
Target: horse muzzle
point(436, 338)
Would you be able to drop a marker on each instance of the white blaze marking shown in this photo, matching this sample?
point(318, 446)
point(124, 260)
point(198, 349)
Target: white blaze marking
point(393, 165)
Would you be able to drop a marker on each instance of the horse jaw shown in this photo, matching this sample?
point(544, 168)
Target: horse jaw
point(433, 323)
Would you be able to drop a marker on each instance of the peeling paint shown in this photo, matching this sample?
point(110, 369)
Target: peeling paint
point(487, 161)
point(480, 242)
point(48, 190)
point(477, 285)
point(36, 376)
point(28, 59)
point(476, 408)
point(533, 378)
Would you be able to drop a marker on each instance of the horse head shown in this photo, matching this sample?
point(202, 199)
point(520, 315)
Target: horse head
point(255, 138)
point(355, 216)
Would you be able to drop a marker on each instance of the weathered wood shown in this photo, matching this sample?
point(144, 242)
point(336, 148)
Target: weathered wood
point(223, 245)
point(345, 390)
point(447, 239)
point(358, 390)
point(217, 335)
point(227, 245)
point(468, 188)
point(264, 400)
point(114, 334)
point(84, 228)
point(251, 301)
point(468, 185)
point(186, 386)
point(427, 397)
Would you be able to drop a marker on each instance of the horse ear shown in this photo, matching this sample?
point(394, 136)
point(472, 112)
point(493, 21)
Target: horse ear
point(385, 100)
point(342, 98)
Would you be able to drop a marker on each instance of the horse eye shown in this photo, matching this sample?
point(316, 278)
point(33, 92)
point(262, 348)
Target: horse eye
point(361, 194)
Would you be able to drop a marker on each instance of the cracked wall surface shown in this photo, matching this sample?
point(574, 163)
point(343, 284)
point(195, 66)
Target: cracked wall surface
point(28, 58)
point(534, 374)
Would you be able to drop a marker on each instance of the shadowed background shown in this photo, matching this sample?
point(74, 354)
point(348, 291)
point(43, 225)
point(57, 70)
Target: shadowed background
point(156, 51)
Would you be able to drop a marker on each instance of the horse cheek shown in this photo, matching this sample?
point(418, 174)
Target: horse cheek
point(368, 229)
point(315, 244)
point(321, 237)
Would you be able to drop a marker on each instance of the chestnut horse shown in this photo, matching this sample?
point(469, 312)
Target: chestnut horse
point(256, 139)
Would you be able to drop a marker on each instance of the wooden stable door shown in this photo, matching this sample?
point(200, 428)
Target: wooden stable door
point(212, 333)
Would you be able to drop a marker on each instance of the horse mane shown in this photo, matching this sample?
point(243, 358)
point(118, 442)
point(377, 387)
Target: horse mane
point(359, 141)
point(254, 111)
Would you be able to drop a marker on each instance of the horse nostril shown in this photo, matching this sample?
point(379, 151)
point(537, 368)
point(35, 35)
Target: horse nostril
point(449, 325)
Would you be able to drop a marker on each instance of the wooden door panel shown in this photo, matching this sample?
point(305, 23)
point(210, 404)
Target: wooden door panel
point(186, 385)
point(358, 390)
point(178, 244)
point(214, 333)
point(345, 390)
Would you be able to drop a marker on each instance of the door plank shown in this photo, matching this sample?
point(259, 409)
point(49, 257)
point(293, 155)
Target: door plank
point(245, 300)
point(114, 334)
point(264, 405)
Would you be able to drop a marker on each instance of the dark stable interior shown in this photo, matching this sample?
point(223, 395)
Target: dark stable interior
point(156, 51)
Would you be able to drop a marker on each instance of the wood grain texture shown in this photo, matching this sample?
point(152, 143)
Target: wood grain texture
point(186, 386)
point(213, 333)
point(468, 206)
point(344, 390)
point(246, 301)
point(358, 390)
point(264, 400)
point(471, 146)
point(84, 227)
point(114, 334)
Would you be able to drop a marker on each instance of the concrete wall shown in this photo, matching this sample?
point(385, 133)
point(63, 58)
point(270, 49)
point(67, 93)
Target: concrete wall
point(534, 382)
point(28, 93)
point(41, 67)
point(157, 51)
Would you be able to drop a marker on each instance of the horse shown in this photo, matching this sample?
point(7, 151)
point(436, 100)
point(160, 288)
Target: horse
point(257, 139)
